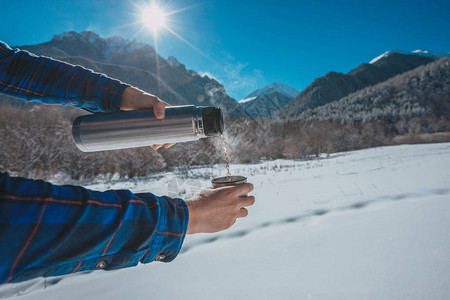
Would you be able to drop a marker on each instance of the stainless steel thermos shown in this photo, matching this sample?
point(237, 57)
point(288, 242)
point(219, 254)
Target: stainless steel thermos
point(129, 129)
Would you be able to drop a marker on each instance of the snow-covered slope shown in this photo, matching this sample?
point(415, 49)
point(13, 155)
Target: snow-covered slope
point(334, 86)
point(275, 87)
point(246, 100)
point(107, 48)
point(419, 52)
point(138, 64)
point(369, 224)
point(266, 101)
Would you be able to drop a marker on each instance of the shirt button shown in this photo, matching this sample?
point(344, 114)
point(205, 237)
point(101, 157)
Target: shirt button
point(160, 257)
point(101, 264)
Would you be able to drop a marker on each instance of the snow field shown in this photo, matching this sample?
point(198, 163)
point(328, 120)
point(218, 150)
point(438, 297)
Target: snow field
point(369, 224)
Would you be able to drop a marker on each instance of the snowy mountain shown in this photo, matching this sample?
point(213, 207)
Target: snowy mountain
point(173, 61)
point(334, 86)
point(266, 101)
point(114, 49)
point(140, 65)
point(418, 52)
point(423, 91)
point(274, 87)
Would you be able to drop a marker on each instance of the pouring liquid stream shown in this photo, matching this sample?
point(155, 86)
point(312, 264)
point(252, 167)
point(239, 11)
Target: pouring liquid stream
point(224, 147)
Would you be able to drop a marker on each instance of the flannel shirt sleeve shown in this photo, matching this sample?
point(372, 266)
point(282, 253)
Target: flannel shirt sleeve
point(50, 230)
point(46, 80)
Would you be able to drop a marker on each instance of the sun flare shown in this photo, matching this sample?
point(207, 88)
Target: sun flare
point(153, 17)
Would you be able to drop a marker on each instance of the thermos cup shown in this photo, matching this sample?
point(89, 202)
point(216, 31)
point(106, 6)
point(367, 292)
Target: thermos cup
point(129, 129)
point(225, 181)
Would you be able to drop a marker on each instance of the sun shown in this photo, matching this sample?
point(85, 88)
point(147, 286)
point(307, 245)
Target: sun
point(153, 17)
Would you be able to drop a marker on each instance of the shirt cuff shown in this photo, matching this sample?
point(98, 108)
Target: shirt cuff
point(109, 94)
point(170, 232)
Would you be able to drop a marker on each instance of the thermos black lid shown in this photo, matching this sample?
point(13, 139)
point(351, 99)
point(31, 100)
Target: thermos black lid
point(212, 120)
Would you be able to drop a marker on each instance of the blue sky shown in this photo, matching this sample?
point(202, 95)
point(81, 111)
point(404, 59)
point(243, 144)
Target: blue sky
point(248, 44)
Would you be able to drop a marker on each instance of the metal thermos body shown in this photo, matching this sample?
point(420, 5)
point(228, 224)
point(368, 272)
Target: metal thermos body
point(129, 129)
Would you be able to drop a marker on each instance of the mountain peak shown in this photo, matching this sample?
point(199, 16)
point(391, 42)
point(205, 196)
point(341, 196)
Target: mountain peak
point(85, 36)
point(113, 49)
point(264, 102)
point(334, 86)
point(173, 61)
point(418, 52)
point(140, 65)
point(271, 88)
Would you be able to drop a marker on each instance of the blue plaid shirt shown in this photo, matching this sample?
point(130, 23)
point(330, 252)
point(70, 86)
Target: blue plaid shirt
point(50, 230)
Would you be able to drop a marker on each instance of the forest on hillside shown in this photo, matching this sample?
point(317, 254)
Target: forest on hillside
point(412, 107)
point(37, 143)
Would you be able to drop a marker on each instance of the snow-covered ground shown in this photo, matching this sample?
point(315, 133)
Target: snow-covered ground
point(369, 224)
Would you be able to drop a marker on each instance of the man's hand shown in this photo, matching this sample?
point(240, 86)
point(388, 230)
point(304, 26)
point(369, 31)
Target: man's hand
point(135, 99)
point(217, 209)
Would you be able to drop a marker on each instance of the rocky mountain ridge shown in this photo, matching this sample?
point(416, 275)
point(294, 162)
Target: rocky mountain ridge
point(418, 52)
point(423, 91)
point(334, 86)
point(140, 65)
point(264, 102)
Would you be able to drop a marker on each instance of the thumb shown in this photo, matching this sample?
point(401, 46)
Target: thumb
point(159, 110)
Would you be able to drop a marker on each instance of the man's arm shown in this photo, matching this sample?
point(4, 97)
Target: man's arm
point(49, 81)
point(49, 230)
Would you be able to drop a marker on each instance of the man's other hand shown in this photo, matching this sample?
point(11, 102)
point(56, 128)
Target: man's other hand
point(135, 99)
point(217, 209)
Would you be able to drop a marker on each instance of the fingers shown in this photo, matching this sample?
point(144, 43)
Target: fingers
point(243, 212)
point(156, 147)
point(153, 102)
point(215, 210)
point(167, 146)
point(136, 99)
point(243, 189)
point(240, 190)
point(247, 201)
point(159, 108)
